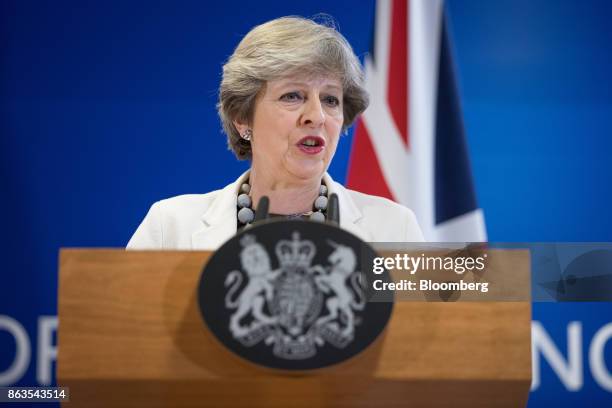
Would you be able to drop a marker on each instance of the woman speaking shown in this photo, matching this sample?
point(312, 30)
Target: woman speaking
point(291, 87)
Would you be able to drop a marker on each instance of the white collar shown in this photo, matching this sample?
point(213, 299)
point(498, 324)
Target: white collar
point(219, 220)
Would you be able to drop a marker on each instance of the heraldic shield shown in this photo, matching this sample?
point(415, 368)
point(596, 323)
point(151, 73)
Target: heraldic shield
point(290, 294)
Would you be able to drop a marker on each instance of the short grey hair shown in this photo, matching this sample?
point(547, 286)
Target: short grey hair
point(278, 49)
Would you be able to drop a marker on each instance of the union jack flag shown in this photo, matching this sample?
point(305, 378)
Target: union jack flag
point(409, 145)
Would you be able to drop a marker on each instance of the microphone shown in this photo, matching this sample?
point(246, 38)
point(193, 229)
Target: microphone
point(333, 210)
point(262, 209)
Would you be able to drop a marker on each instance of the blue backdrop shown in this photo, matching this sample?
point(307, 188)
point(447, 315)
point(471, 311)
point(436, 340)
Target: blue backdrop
point(108, 107)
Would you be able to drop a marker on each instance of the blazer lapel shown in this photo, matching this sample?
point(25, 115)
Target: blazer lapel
point(350, 215)
point(219, 220)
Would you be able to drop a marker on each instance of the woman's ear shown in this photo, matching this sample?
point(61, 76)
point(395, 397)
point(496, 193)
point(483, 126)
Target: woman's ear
point(240, 127)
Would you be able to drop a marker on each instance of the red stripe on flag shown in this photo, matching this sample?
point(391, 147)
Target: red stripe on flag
point(364, 173)
point(397, 88)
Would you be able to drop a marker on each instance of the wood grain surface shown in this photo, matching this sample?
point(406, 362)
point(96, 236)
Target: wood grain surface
point(131, 334)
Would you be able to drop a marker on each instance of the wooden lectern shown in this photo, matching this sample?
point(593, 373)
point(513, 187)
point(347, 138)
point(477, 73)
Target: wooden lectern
point(131, 334)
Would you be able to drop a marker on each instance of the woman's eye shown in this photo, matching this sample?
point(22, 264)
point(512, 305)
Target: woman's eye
point(291, 97)
point(331, 100)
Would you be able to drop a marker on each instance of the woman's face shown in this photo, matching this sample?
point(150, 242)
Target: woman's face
point(296, 127)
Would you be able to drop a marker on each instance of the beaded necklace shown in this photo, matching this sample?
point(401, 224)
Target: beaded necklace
point(246, 213)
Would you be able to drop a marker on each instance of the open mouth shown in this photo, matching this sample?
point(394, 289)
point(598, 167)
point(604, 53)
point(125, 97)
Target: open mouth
point(312, 141)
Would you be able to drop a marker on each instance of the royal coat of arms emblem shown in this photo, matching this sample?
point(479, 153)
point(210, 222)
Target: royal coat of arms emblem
point(291, 294)
point(297, 306)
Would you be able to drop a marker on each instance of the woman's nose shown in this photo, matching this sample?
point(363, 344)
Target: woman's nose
point(313, 114)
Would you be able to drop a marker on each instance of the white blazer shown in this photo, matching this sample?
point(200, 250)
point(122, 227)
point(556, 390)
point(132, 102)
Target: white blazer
point(205, 221)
